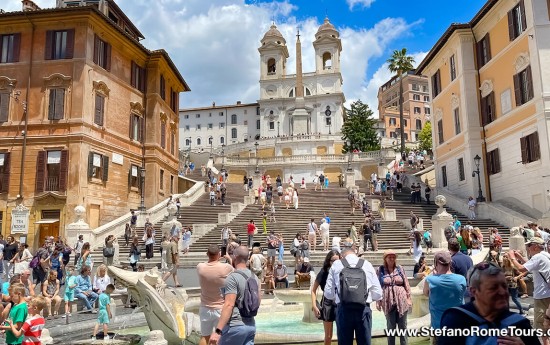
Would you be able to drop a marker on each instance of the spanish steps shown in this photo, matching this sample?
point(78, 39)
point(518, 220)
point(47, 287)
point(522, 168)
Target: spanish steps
point(312, 204)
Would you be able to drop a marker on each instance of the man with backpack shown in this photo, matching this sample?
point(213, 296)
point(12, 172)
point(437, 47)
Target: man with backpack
point(322, 181)
point(242, 297)
point(539, 265)
point(353, 285)
point(489, 310)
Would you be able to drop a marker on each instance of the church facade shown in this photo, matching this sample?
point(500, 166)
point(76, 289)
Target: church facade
point(283, 109)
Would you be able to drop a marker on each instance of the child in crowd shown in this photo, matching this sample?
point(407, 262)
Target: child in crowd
point(18, 314)
point(69, 289)
point(32, 328)
point(104, 312)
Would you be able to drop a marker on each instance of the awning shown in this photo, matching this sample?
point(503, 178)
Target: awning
point(47, 221)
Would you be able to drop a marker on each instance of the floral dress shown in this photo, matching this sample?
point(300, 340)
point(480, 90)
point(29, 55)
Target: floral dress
point(396, 290)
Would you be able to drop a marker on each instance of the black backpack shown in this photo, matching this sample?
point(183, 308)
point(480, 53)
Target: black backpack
point(353, 285)
point(251, 299)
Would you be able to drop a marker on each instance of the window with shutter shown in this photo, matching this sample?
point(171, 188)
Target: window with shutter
point(162, 88)
point(105, 167)
point(517, 21)
point(4, 172)
point(488, 109)
point(452, 67)
point(99, 109)
point(40, 171)
point(136, 127)
point(523, 86)
point(59, 44)
point(163, 135)
point(440, 131)
point(172, 143)
point(161, 180)
point(436, 84)
point(137, 78)
point(461, 175)
point(10, 45)
point(530, 148)
point(457, 121)
point(493, 162)
point(134, 176)
point(4, 106)
point(444, 175)
point(484, 50)
point(102, 53)
point(56, 107)
point(63, 171)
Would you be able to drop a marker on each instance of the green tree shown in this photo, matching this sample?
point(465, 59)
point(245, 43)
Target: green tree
point(401, 63)
point(359, 129)
point(425, 137)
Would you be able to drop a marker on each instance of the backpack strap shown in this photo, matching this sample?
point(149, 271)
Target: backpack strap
point(345, 262)
point(243, 274)
point(476, 317)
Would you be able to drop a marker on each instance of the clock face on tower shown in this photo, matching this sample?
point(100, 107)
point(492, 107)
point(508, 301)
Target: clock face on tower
point(271, 90)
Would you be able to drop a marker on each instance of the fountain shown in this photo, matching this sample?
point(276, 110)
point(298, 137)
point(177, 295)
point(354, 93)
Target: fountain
point(303, 297)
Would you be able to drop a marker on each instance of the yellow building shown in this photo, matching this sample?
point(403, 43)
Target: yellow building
point(489, 81)
point(84, 108)
point(416, 106)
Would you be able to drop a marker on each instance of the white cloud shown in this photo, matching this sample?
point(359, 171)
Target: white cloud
point(362, 3)
point(214, 44)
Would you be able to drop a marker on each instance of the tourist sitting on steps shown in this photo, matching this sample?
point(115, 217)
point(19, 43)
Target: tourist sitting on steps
point(281, 274)
point(303, 273)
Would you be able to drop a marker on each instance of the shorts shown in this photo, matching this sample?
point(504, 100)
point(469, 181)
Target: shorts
point(271, 252)
point(102, 317)
point(172, 268)
point(540, 310)
point(209, 319)
point(325, 237)
point(328, 311)
point(69, 296)
point(280, 193)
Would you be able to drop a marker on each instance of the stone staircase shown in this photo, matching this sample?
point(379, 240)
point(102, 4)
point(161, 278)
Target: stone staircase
point(199, 213)
point(403, 207)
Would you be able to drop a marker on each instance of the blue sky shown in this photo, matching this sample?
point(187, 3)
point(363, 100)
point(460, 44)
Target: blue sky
point(214, 42)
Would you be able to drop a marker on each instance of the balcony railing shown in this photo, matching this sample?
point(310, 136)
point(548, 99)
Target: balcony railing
point(308, 158)
point(52, 184)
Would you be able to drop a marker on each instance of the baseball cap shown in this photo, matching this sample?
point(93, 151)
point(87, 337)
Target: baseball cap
point(535, 240)
point(306, 259)
point(443, 257)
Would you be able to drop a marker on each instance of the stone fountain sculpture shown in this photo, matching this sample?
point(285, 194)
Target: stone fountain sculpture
point(301, 296)
point(163, 307)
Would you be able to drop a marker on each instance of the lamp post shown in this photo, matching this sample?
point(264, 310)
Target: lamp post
point(142, 184)
point(477, 160)
point(348, 142)
point(257, 171)
point(278, 123)
point(327, 114)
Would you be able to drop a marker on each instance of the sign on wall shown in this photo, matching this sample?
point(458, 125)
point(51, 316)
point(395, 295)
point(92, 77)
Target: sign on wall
point(20, 220)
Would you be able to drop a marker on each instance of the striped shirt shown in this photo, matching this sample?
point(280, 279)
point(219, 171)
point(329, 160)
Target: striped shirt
point(32, 330)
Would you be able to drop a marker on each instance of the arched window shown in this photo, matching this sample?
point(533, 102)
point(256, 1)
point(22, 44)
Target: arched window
point(271, 66)
point(198, 141)
point(233, 133)
point(307, 92)
point(222, 140)
point(234, 119)
point(187, 142)
point(327, 60)
point(210, 140)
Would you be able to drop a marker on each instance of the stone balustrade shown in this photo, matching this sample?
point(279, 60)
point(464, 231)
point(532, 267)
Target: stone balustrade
point(302, 159)
point(116, 227)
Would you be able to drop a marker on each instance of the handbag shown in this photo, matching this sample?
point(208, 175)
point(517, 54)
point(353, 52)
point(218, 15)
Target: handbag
point(108, 252)
point(319, 306)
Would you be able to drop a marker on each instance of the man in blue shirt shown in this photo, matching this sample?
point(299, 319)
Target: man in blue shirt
point(461, 262)
point(444, 288)
point(457, 223)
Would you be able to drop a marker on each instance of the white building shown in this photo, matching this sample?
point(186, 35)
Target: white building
point(212, 127)
point(321, 105)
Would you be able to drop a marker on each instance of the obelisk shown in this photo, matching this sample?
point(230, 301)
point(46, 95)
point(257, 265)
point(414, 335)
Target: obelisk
point(300, 114)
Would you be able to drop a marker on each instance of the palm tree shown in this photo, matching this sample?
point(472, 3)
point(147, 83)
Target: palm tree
point(401, 63)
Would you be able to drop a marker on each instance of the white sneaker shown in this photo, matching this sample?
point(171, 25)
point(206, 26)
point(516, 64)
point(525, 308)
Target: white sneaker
point(106, 337)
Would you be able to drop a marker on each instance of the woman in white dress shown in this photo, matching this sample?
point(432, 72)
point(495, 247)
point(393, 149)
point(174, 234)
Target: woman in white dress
point(295, 199)
point(378, 188)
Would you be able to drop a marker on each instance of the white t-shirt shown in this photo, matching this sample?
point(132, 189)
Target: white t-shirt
point(336, 242)
point(312, 228)
point(540, 263)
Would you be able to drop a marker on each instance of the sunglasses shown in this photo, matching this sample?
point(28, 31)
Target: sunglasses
point(482, 266)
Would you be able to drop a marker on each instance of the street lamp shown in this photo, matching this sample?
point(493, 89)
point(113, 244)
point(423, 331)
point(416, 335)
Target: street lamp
point(257, 171)
point(348, 142)
point(477, 160)
point(327, 114)
point(278, 123)
point(211, 140)
point(142, 184)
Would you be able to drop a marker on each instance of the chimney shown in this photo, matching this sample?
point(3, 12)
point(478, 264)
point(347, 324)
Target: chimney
point(29, 5)
point(238, 102)
point(213, 104)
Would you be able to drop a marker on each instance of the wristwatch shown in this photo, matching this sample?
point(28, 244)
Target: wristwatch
point(218, 331)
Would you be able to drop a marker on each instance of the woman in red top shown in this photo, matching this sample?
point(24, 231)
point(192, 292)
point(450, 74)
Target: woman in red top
point(250, 230)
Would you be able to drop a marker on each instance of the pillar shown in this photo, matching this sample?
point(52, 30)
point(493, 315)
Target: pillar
point(440, 221)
